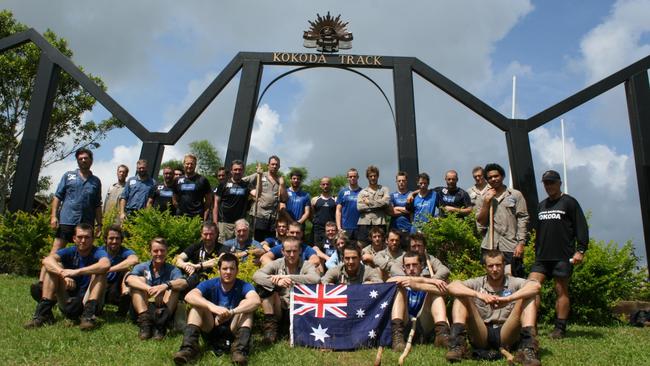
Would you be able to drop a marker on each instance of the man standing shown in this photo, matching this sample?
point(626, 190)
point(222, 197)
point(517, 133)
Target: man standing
point(496, 310)
point(192, 193)
point(401, 216)
point(155, 286)
point(162, 195)
point(138, 190)
point(347, 215)
point(197, 260)
point(76, 276)
point(510, 219)
point(562, 239)
point(452, 198)
point(479, 188)
point(230, 201)
point(351, 271)
point(272, 192)
point(222, 175)
point(372, 204)
point(275, 281)
point(324, 209)
point(298, 204)
point(422, 203)
point(222, 311)
point(115, 191)
point(122, 259)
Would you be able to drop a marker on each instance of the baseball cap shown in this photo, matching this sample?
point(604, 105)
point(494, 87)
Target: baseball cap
point(550, 175)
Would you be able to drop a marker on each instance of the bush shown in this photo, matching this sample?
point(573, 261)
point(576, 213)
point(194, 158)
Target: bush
point(146, 224)
point(24, 239)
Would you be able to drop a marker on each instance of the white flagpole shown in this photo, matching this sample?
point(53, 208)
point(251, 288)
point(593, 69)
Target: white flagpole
point(566, 179)
point(514, 92)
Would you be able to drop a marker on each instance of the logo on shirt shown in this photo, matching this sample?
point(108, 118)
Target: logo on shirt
point(188, 187)
point(72, 176)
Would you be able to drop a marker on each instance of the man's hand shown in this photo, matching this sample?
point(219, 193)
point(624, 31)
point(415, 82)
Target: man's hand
point(578, 258)
point(54, 222)
point(487, 298)
point(440, 284)
point(189, 268)
point(70, 284)
point(67, 273)
point(489, 195)
point(281, 281)
point(221, 314)
point(98, 229)
point(519, 250)
point(157, 291)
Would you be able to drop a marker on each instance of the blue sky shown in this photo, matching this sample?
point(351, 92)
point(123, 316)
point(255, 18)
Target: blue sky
point(157, 56)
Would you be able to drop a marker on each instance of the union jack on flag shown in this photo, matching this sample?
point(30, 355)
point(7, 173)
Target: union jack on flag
point(341, 317)
point(320, 301)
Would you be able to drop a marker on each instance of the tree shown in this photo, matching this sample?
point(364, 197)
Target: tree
point(67, 131)
point(208, 158)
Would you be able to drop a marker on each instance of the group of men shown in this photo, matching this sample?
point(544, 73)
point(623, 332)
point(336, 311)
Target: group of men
point(349, 245)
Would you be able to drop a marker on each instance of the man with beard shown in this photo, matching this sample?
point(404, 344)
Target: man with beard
point(385, 259)
point(230, 201)
point(272, 192)
point(198, 260)
point(324, 210)
point(192, 193)
point(138, 190)
point(351, 271)
point(452, 198)
point(162, 195)
point(122, 259)
point(115, 190)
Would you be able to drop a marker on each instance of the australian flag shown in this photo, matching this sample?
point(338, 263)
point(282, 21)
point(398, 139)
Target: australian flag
point(341, 317)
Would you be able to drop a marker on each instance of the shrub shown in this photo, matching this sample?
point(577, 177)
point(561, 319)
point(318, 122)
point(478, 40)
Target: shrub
point(24, 239)
point(146, 224)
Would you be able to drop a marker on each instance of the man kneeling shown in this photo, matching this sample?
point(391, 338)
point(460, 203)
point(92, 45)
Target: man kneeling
point(498, 310)
point(222, 309)
point(422, 298)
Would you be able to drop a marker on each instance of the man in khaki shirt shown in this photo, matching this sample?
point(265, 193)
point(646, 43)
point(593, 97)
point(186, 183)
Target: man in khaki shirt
point(351, 271)
point(418, 244)
point(497, 310)
point(274, 282)
point(272, 192)
point(372, 204)
point(385, 259)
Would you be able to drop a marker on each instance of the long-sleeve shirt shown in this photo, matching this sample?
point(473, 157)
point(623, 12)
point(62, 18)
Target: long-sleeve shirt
point(307, 274)
point(372, 205)
point(440, 271)
point(338, 275)
point(510, 222)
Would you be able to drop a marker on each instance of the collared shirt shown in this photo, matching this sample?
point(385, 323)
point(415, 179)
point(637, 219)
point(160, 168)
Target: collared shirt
point(79, 198)
point(233, 246)
point(440, 271)
point(476, 195)
point(168, 272)
point(268, 198)
point(384, 260)
point(338, 275)
point(191, 192)
point(136, 193)
point(510, 222)
point(372, 205)
point(347, 198)
point(72, 259)
point(116, 259)
point(489, 314)
point(113, 197)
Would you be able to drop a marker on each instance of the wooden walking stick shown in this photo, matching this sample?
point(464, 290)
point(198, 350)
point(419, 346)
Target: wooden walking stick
point(509, 357)
point(258, 188)
point(380, 352)
point(409, 342)
point(491, 228)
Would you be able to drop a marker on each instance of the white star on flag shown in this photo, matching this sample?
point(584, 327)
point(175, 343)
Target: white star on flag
point(383, 305)
point(376, 316)
point(374, 294)
point(319, 334)
point(372, 334)
point(360, 313)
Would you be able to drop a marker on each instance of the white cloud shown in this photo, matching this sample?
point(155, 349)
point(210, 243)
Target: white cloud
point(266, 130)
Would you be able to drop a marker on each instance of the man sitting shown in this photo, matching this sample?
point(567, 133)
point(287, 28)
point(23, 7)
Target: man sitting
point(377, 244)
point(222, 310)
point(242, 243)
point(419, 297)
point(155, 286)
point(385, 259)
point(295, 231)
point(197, 260)
point(275, 281)
point(122, 259)
point(351, 271)
point(76, 276)
point(497, 310)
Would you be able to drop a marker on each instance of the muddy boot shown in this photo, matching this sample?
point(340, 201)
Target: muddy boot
point(36, 290)
point(397, 333)
point(457, 343)
point(42, 315)
point(123, 305)
point(145, 322)
point(190, 346)
point(560, 329)
point(270, 329)
point(161, 316)
point(442, 334)
point(240, 347)
point(88, 320)
point(528, 353)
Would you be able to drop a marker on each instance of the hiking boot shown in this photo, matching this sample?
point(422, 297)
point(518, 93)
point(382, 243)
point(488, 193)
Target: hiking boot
point(88, 320)
point(457, 344)
point(123, 305)
point(527, 356)
point(397, 335)
point(240, 346)
point(442, 331)
point(557, 333)
point(190, 347)
point(36, 290)
point(145, 323)
point(42, 315)
point(270, 329)
point(159, 332)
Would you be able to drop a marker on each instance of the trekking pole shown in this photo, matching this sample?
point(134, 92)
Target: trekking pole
point(409, 342)
point(509, 357)
point(491, 228)
point(258, 187)
point(380, 352)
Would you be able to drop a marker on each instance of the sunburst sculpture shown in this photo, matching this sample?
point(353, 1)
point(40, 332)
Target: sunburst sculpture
point(328, 34)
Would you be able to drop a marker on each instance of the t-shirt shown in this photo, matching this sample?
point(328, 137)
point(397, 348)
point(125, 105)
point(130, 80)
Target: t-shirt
point(560, 224)
point(162, 197)
point(457, 198)
point(401, 222)
point(233, 246)
point(307, 251)
point(213, 292)
point(168, 272)
point(324, 210)
point(347, 198)
point(415, 301)
point(196, 253)
point(136, 193)
point(79, 198)
point(191, 192)
point(121, 255)
point(233, 200)
point(272, 242)
point(72, 259)
point(327, 247)
point(296, 203)
point(423, 206)
point(489, 314)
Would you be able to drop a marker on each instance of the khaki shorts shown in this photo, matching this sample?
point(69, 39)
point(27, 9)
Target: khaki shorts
point(226, 231)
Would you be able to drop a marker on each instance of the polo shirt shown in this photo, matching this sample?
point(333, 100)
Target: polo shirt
point(79, 198)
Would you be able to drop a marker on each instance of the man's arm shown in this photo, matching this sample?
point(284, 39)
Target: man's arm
point(338, 215)
point(263, 275)
point(435, 286)
point(137, 282)
point(331, 276)
point(207, 204)
point(54, 221)
point(372, 275)
point(100, 267)
point(308, 274)
point(122, 205)
point(440, 271)
point(458, 289)
point(98, 220)
point(522, 225)
point(124, 265)
point(187, 267)
point(530, 289)
point(305, 214)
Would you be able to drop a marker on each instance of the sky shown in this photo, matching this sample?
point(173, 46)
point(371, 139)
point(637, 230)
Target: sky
point(156, 57)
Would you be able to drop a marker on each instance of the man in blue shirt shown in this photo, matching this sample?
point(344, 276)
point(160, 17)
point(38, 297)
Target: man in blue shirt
point(242, 242)
point(155, 286)
point(137, 191)
point(308, 254)
point(423, 202)
point(222, 310)
point(122, 259)
point(347, 215)
point(298, 204)
point(76, 277)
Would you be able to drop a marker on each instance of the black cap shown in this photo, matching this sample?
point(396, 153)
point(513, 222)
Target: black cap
point(551, 175)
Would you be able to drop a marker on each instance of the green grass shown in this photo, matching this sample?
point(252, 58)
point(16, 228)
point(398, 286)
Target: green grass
point(116, 343)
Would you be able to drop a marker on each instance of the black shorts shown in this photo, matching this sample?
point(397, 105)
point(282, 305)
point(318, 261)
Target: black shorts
point(562, 269)
point(493, 335)
point(65, 232)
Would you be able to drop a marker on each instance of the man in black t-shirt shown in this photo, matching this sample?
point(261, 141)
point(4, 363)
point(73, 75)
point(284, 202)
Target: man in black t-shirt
point(192, 192)
point(562, 239)
point(162, 196)
point(323, 209)
point(452, 198)
point(230, 202)
point(200, 258)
